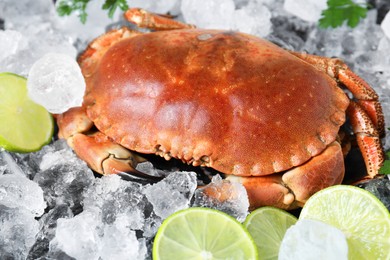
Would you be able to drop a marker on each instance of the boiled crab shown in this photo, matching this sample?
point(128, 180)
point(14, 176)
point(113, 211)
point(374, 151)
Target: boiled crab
point(267, 117)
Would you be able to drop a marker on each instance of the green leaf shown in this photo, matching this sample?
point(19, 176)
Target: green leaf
point(341, 11)
point(385, 169)
point(66, 7)
point(112, 5)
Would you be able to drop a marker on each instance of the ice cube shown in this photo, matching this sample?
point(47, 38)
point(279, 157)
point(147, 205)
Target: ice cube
point(308, 10)
point(63, 177)
point(149, 169)
point(120, 242)
point(171, 194)
point(78, 237)
point(380, 188)
point(385, 25)
point(11, 42)
point(152, 223)
point(254, 18)
point(111, 196)
point(211, 14)
point(47, 227)
point(55, 82)
point(229, 197)
point(16, 191)
point(312, 239)
point(85, 237)
point(8, 164)
point(17, 232)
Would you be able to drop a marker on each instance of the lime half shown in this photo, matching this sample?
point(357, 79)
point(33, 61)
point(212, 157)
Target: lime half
point(364, 220)
point(267, 225)
point(202, 233)
point(24, 125)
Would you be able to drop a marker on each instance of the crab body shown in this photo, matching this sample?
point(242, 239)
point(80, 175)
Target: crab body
point(222, 99)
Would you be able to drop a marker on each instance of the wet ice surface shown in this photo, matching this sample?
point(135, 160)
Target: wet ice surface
point(55, 82)
point(312, 239)
point(63, 211)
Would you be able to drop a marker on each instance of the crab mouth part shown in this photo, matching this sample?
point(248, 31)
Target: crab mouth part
point(164, 167)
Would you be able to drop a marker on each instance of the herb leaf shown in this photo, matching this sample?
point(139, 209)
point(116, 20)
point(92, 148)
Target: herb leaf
point(66, 7)
point(111, 6)
point(385, 169)
point(340, 11)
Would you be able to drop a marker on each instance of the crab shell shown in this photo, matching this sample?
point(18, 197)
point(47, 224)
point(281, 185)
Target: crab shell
point(222, 99)
point(226, 100)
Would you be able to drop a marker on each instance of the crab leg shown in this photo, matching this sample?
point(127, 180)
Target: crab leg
point(101, 154)
point(367, 138)
point(292, 189)
point(361, 90)
point(366, 114)
point(145, 19)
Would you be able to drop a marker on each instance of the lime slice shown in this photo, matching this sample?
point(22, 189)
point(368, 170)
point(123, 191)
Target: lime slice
point(267, 225)
point(202, 233)
point(364, 220)
point(25, 126)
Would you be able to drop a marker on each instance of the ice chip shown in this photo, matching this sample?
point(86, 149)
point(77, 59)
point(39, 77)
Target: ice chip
point(171, 194)
point(211, 14)
point(120, 242)
point(112, 197)
point(312, 239)
point(85, 237)
point(47, 227)
point(228, 196)
point(385, 25)
point(17, 232)
point(308, 10)
point(63, 176)
point(55, 81)
point(8, 164)
point(17, 191)
point(11, 42)
point(78, 237)
point(254, 18)
point(149, 169)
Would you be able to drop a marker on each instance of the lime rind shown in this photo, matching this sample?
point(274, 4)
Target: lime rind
point(203, 233)
point(268, 225)
point(359, 214)
point(26, 126)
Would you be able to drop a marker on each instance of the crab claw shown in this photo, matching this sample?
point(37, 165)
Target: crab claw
point(368, 138)
point(101, 154)
point(145, 19)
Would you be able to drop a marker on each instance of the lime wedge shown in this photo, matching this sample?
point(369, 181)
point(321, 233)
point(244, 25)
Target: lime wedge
point(25, 126)
point(202, 233)
point(363, 219)
point(267, 225)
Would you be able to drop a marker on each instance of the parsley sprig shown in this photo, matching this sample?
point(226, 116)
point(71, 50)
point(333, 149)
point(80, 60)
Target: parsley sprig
point(341, 11)
point(66, 7)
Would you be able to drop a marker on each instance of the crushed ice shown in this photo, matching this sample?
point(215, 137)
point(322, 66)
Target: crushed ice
point(312, 239)
point(51, 204)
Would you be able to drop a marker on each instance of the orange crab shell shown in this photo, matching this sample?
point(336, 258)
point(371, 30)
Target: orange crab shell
point(227, 100)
